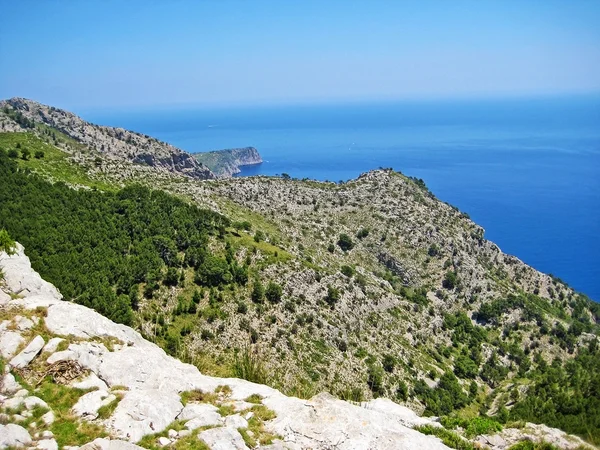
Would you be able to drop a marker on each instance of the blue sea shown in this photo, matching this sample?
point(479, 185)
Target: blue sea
point(527, 170)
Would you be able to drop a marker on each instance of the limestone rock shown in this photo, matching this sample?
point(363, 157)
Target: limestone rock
point(47, 444)
point(12, 435)
point(164, 441)
point(28, 353)
point(48, 418)
point(90, 382)
point(4, 298)
point(69, 318)
point(109, 444)
point(223, 438)
point(9, 343)
point(144, 411)
point(23, 323)
point(209, 419)
point(194, 410)
point(52, 345)
point(22, 280)
point(404, 415)
point(32, 402)
point(534, 433)
point(9, 385)
point(236, 421)
point(88, 404)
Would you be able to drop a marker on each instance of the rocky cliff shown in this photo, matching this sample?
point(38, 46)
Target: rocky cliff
point(97, 144)
point(226, 163)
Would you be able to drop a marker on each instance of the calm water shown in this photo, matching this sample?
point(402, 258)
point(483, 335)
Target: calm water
point(528, 171)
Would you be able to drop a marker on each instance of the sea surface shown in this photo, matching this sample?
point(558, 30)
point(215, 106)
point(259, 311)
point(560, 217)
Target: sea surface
point(527, 170)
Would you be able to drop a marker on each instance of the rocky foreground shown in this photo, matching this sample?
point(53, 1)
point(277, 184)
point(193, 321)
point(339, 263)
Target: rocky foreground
point(127, 390)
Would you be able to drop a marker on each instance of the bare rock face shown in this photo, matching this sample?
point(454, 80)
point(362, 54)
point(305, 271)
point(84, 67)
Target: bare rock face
point(112, 143)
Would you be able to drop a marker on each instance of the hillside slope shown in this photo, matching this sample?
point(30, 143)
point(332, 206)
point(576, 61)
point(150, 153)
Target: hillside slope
point(365, 289)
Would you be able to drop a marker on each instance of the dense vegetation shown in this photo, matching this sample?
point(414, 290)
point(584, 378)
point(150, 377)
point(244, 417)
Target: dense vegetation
point(99, 247)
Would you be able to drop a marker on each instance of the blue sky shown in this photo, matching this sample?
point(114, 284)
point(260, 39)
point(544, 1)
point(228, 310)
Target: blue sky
point(137, 54)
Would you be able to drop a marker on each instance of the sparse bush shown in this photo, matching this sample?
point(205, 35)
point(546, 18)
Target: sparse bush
point(345, 242)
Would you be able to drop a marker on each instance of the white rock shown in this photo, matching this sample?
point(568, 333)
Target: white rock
point(28, 353)
point(239, 405)
point(249, 415)
point(4, 298)
point(77, 320)
point(144, 411)
point(48, 418)
point(90, 382)
point(164, 441)
point(21, 393)
point(183, 433)
point(21, 279)
point(9, 343)
point(12, 435)
point(223, 439)
point(23, 323)
point(47, 434)
point(236, 421)
point(47, 444)
point(65, 355)
point(32, 402)
point(88, 404)
point(9, 384)
point(52, 345)
point(13, 403)
point(172, 434)
point(109, 444)
point(212, 419)
point(404, 415)
point(194, 410)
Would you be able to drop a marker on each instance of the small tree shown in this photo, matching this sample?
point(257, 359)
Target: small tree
point(333, 295)
point(25, 154)
point(13, 153)
point(345, 242)
point(39, 154)
point(258, 292)
point(450, 281)
point(7, 244)
point(273, 292)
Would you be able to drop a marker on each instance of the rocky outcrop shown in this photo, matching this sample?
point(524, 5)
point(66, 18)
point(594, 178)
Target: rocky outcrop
point(226, 163)
point(102, 141)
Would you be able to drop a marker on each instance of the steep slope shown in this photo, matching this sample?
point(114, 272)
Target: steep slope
point(146, 388)
point(98, 145)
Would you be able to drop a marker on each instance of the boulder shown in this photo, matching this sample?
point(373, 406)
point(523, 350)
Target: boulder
point(28, 353)
point(110, 444)
point(195, 410)
point(77, 320)
point(9, 343)
point(4, 298)
point(144, 411)
point(23, 323)
point(88, 404)
point(32, 402)
point(9, 385)
point(90, 382)
point(52, 345)
point(21, 279)
point(404, 415)
point(47, 444)
point(15, 436)
point(223, 438)
point(48, 418)
point(236, 421)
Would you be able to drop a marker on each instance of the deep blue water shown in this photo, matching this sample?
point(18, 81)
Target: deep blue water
point(528, 171)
